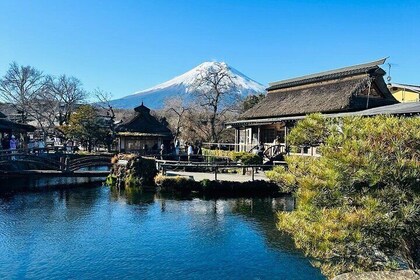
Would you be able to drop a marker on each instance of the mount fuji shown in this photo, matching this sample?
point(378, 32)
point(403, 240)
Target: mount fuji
point(182, 86)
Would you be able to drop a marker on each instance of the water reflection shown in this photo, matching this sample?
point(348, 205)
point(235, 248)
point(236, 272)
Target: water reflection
point(99, 233)
point(261, 211)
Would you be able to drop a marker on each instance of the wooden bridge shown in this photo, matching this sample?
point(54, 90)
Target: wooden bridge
point(49, 162)
point(215, 171)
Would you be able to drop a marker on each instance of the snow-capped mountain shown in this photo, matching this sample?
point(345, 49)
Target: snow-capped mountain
point(183, 85)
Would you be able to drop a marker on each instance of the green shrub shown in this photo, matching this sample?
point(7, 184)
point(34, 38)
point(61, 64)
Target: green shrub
point(111, 180)
point(358, 206)
point(246, 158)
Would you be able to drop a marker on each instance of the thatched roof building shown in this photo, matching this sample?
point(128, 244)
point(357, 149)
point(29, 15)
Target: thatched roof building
point(8, 126)
point(142, 132)
point(351, 88)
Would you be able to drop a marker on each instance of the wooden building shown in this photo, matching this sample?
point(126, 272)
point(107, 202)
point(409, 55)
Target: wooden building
point(10, 127)
point(143, 132)
point(348, 89)
point(405, 93)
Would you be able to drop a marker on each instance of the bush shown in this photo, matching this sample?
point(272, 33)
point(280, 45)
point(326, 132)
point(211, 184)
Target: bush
point(358, 206)
point(246, 158)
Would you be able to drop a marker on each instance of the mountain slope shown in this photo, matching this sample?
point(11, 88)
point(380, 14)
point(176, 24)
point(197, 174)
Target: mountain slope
point(182, 86)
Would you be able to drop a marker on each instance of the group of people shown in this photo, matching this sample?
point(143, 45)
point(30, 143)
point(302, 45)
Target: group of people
point(193, 150)
point(175, 149)
point(9, 142)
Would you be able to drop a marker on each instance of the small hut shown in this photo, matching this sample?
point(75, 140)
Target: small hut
point(143, 133)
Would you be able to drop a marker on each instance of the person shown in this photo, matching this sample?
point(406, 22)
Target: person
point(13, 145)
point(260, 149)
point(190, 151)
point(69, 146)
point(41, 145)
point(172, 148)
point(177, 147)
point(5, 143)
point(31, 145)
point(276, 144)
point(162, 150)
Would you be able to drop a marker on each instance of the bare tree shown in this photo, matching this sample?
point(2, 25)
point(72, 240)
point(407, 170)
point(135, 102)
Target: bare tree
point(69, 92)
point(175, 111)
point(20, 86)
point(27, 90)
point(216, 92)
point(104, 99)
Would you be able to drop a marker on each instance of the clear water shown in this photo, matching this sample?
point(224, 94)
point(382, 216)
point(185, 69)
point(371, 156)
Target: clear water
point(94, 233)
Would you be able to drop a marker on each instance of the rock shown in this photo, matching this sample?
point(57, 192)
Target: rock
point(382, 275)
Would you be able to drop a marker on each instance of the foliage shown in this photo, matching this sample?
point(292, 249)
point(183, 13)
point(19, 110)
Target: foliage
point(186, 185)
point(310, 131)
point(358, 205)
point(242, 157)
point(85, 124)
point(217, 153)
point(140, 171)
point(111, 180)
point(246, 158)
point(252, 100)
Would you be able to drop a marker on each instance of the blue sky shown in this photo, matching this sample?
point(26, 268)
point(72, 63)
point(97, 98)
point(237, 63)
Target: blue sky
point(125, 46)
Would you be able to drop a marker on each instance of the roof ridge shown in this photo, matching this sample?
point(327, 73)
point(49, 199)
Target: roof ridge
point(328, 74)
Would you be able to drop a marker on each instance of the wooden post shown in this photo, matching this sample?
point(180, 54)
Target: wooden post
point(285, 137)
point(259, 134)
point(252, 173)
point(66, 164)
point(236, 139)
point(215, 173)
point(61, 163)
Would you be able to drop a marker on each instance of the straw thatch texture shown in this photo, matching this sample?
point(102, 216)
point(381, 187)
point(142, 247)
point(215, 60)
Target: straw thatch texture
point(143, 124)
point(336, 95)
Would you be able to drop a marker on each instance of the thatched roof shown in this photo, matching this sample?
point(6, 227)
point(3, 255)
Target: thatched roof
point(143, 124)
point(399, 109)
point(7, 125)
point(347, 89)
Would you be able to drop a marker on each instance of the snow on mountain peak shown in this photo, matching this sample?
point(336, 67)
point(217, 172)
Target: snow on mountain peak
point(154, 97)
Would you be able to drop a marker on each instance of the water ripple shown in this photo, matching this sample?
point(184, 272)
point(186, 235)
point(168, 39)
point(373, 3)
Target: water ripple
point(91, 233)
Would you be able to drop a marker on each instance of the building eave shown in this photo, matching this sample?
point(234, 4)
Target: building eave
point(332, 74)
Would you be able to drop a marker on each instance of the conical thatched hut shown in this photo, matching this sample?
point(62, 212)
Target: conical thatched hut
point(143, 132)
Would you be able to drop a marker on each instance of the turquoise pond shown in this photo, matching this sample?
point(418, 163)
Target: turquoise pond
point(95, 233)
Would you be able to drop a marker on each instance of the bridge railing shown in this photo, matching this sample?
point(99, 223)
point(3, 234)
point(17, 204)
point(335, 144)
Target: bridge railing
point(215, 168)
point(50, 161)
point(26, 151)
